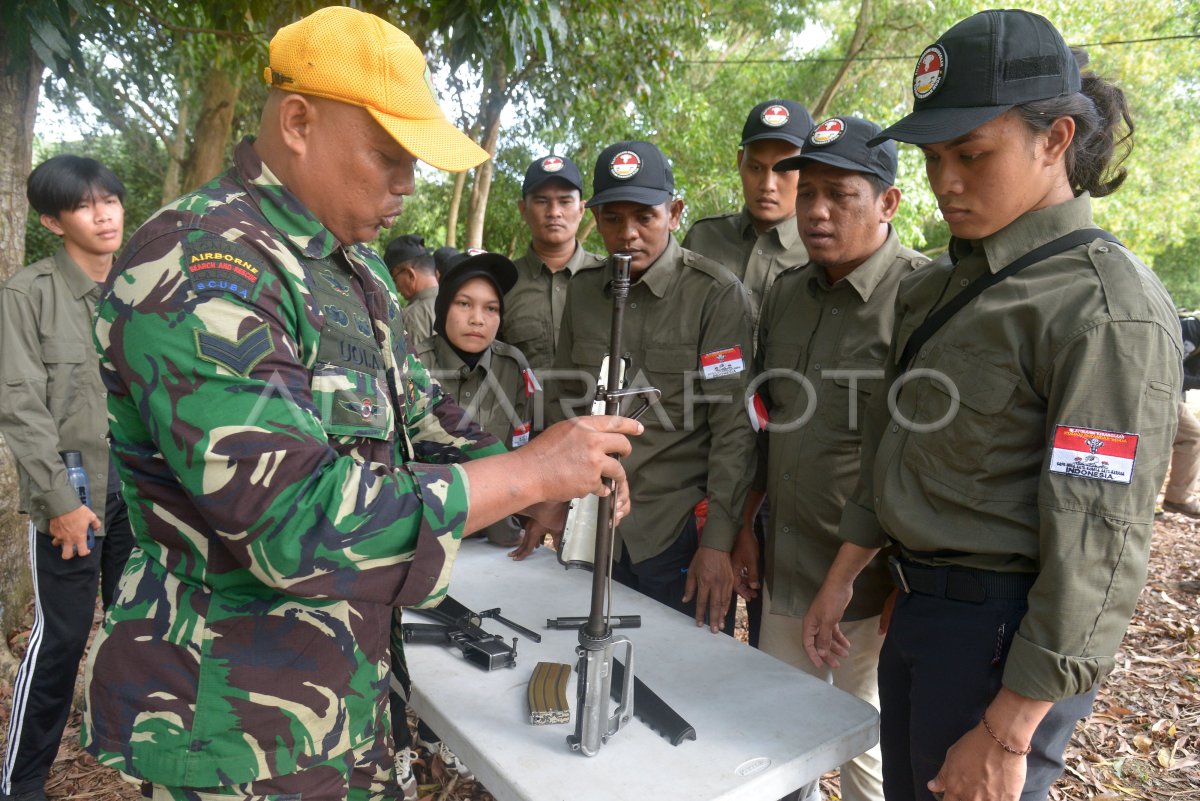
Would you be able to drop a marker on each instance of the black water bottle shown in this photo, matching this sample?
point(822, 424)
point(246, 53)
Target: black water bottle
point(77, 478)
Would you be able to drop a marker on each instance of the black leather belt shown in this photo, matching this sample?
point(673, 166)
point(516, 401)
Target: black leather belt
point(959, 583)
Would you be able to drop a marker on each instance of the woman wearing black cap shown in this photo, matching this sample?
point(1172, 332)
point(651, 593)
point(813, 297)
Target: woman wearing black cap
point(1031, 430)
point(489, 378)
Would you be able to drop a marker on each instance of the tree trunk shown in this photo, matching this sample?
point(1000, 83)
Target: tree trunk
point(492, 103)
point(206, 157)
point(176, 148)
point(460, 181)
point(19, 92)
point(857, 42)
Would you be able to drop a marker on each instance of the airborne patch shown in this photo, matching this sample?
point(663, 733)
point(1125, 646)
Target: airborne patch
point(216, 266)
point(239, 357)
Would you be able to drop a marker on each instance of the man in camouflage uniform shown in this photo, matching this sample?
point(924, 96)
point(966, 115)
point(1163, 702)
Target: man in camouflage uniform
point(267, 419)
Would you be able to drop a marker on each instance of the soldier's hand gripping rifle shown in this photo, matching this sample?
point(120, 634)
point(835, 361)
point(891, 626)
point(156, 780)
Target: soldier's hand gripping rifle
point(593, 724)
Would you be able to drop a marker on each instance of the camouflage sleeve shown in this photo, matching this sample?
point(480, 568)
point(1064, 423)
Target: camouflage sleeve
point(215, 406)
point(441, 431)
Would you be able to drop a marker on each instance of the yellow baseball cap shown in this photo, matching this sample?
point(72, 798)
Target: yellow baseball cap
point(357, 58)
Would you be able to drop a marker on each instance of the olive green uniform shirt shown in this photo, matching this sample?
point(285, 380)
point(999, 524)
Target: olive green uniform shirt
point(533, 308)
point(418, 314)
point(497, 394)
point(1084, 339)
point(51, 395)
point(832, 339)
point(686, 318)
point(756, 259)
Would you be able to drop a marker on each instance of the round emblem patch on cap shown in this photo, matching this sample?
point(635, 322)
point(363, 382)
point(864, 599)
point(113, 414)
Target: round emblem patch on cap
point(930, 72)
point(475, 251)
point(625, 164)
point(552, 164)
point(775, 116)
point(828, 132)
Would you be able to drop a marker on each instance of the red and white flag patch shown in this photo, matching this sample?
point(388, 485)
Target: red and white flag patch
point(532, 385)
point(722, 363)
point(759, 417)
point(521, 435)
point(1091, 453)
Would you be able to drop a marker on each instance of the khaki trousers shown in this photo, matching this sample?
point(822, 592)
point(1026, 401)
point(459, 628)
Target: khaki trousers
point(1185, 457)
point(783, 638)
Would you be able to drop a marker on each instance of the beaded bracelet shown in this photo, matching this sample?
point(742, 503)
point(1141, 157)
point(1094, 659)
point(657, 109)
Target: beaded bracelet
point(1005, 745)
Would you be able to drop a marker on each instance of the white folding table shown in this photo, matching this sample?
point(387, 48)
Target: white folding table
point(763, 728)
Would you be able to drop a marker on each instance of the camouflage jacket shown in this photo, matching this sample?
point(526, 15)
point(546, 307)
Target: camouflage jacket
point(265, 413)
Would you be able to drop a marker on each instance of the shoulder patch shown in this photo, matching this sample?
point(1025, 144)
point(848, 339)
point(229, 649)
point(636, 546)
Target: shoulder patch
point(239, 357)
point(216, 266)
point(1091, 453)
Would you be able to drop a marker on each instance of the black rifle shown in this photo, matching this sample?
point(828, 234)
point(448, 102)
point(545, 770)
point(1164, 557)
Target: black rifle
point(459, 626)
point(593, 725)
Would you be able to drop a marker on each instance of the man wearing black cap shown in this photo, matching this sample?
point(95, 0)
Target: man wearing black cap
point(552, 206)
point(825, 328)
point(687, 332)
point(760, 241)
point(412, 269)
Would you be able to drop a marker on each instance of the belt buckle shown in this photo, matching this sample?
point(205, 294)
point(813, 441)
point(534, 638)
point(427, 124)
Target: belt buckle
point(898, 573)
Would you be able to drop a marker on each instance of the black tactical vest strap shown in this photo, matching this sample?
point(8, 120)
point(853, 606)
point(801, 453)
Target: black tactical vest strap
point(939, 318)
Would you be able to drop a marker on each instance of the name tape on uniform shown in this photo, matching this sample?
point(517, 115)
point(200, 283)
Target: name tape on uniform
point(722, 363)
point(1090, 453)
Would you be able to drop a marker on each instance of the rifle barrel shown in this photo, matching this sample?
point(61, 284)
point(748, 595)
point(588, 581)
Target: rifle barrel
point(597, 627)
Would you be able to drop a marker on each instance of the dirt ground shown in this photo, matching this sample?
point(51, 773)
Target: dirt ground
point(1141, 742)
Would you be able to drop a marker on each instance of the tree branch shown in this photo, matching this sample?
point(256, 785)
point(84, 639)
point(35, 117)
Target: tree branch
point(857, 42)
point(162, 23)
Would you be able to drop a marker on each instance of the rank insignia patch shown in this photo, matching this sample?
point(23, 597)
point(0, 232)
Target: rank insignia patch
point(625, 164)
point(239, 357)
point(1090, 453)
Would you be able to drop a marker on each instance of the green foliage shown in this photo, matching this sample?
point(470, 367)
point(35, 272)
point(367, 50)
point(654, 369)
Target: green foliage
point(682, 75)
point(44, 29)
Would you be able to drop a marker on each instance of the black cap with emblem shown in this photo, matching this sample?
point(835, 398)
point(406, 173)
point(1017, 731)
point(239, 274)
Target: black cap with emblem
point(777, 119)
point(632, 170)
point(551, 168)
point(843, 142)
point(981, 68)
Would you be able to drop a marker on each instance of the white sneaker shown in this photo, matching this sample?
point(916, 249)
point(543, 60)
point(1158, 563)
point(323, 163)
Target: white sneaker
point(404, 773)
point(448, 757)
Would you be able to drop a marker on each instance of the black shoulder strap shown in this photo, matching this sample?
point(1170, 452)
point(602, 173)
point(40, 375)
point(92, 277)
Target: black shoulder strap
point(939, 318)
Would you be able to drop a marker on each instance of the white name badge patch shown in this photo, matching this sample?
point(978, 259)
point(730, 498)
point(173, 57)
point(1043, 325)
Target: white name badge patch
point(1090, 453)
point(722, 363)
